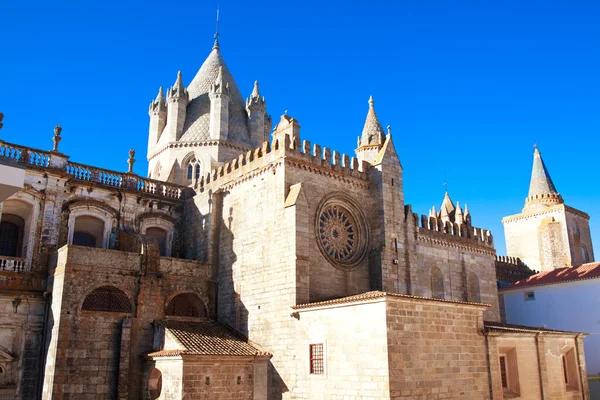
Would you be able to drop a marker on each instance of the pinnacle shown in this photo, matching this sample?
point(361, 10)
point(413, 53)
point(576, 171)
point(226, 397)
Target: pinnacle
point(161, 94)
point(255, 91)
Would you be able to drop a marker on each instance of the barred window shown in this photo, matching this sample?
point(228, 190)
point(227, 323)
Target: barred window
point(107, 299)
point(317, 365)
point(503, 374)
point(186, 305)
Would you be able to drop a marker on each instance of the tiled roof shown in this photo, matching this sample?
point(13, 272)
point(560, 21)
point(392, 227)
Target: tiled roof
point(559, 275)
point(500, 327)
point(206, 338)
point(197, 120)
point(377, 295)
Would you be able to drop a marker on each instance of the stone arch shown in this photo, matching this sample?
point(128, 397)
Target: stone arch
point(473, 289)
point(83, 215)
point(107, 298)
point(150, 223)
point(155, 383)
point(186, 305)
point(437, 283)
point(19, 220)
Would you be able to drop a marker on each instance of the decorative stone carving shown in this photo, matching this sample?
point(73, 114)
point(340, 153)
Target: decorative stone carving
point(341, 232)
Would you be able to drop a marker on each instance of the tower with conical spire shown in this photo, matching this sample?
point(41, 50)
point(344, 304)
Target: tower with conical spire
point(547, 234)
point(372, 138)
point(205, 124)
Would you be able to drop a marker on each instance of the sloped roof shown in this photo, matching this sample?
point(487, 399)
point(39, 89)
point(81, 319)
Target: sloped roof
point(372, 133)
point(559, 275)
point(500, 327)
point(540, 183)
point(206, 338)
point(377, 295)
point(197, 121)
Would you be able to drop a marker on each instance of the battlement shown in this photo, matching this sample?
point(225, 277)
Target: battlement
point(291, 149)
point(516, 261)
point(512, 269)
point(435, 226)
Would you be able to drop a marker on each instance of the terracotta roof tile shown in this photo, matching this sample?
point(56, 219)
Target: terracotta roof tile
point(559, 275)
point(206, 338)
point(376, 295)
point(500, 327)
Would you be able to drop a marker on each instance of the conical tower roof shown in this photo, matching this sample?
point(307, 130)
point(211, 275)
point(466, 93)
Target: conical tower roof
point(372, 133)
point(541, 187)
point(197, 123)
point(541, 183)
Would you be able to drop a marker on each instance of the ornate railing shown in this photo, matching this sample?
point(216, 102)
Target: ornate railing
point(12, 264)
point(24, 155)
point(161, 188)
point(82, 172)
point(91, 174)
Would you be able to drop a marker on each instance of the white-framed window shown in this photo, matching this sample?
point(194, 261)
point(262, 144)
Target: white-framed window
point(161, 230)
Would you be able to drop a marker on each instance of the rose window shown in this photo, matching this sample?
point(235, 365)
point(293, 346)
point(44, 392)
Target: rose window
point(341, 231)
point(337, 233)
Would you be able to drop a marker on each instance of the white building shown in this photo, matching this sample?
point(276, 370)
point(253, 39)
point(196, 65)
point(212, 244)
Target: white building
point(566, 299)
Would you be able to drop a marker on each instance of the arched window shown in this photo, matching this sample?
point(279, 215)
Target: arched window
point(474, 294)
point(11, 235)
point(107, 299)
point(186, 305)
point(437, 283)
point(161, 237)
point(585, 256)
point(193, 170)
point(88, 231)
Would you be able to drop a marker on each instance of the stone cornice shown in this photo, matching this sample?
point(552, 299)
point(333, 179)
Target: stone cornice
point(198, 143)
point(452, 241)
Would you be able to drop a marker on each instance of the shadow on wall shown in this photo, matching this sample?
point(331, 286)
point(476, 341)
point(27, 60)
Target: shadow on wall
point(231, 309)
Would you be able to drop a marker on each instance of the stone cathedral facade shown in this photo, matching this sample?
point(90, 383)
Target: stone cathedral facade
point(252, 264)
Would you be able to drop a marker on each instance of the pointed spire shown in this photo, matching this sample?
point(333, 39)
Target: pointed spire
point(255, 93)
point(178, 90)
point(158, 104)
point(467, 216)
point(541, 182)
point(161, 94)
point(541, 187)
point(447, 204)
point(458, 216)
point(372, 133)
point(216, 44)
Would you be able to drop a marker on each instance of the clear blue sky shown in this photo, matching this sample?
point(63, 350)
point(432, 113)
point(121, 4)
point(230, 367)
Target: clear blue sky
point(468, 86)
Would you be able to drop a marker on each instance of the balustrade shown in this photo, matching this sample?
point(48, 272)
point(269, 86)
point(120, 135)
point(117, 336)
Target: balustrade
point(12, 264)
point(40, 158)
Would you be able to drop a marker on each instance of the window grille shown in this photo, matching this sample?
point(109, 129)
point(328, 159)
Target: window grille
point(503, 373)
point(186, 305)
point(317, 365)
point(107, 299)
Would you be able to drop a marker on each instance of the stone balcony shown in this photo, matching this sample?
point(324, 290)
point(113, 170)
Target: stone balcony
point(13, 264)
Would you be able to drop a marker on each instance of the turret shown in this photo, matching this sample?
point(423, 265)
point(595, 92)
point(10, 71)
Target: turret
point(258, 119)
point(177, 101)
point(219, 95)
point(287, 126)
point(158, 119)
point(467, 216)
point(458, 216)
point(372, 138)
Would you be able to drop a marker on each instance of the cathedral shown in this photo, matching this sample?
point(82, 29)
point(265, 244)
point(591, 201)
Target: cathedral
point(249, 263)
